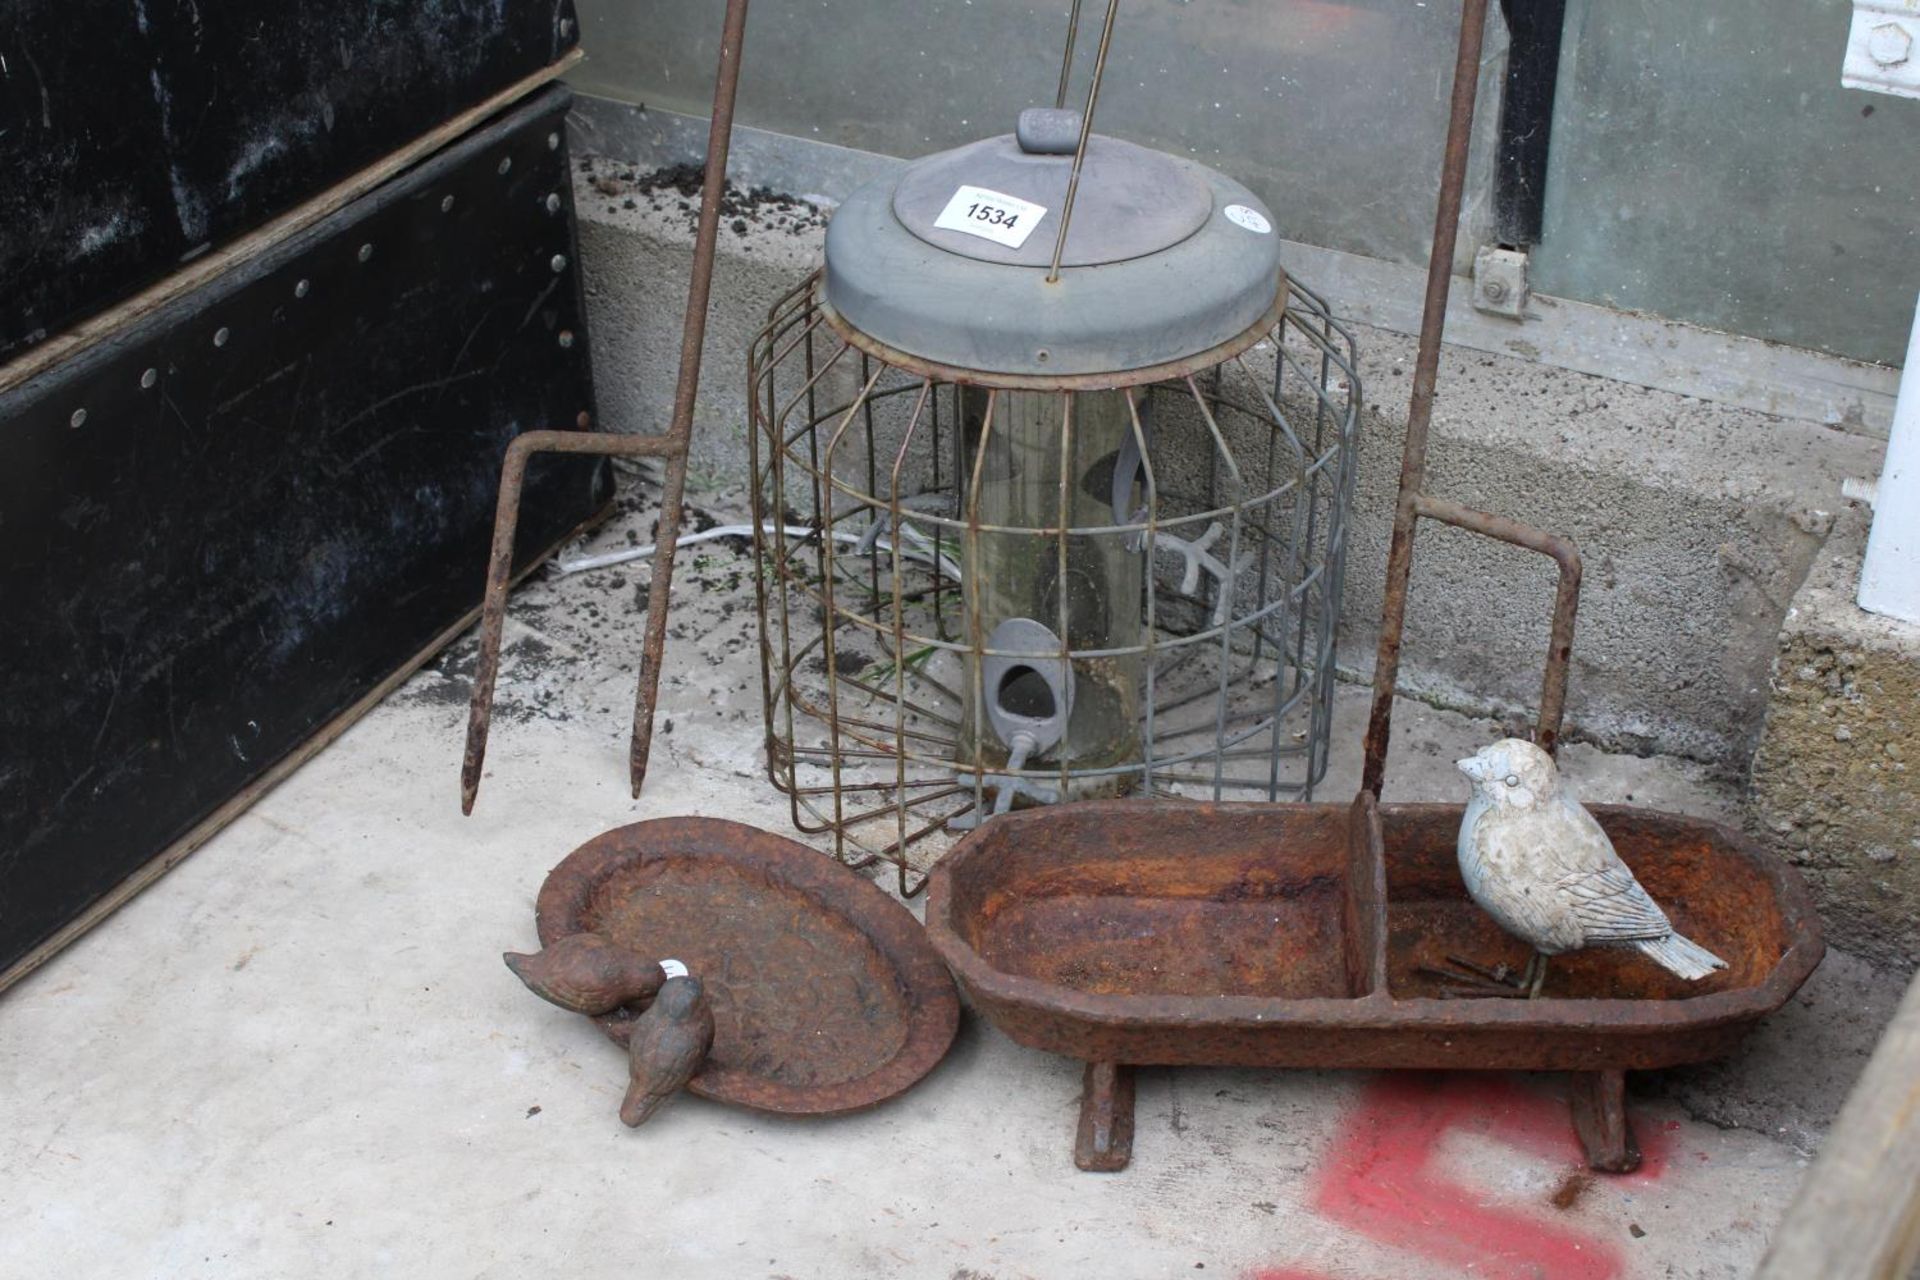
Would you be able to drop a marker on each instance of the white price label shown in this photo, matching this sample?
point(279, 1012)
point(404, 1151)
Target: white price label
point(673, 968)
point(991, 215)
point(1252, 219)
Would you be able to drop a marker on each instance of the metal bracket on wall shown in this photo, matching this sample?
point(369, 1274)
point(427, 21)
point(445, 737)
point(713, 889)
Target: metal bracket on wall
point(672, 446)
point(1883, 48)
point(1521, 155)
point(1500, 286)
point(1526, 118)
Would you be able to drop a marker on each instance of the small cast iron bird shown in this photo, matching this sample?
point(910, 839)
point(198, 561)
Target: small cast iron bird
point(669, 1045)
point(1536, 861)
point(588, 974)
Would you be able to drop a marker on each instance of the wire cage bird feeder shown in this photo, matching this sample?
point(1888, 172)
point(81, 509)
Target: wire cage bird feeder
point(1051, 469)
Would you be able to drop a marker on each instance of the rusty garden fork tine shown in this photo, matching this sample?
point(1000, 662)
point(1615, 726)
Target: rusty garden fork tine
point(493, 611)
point(693, 335)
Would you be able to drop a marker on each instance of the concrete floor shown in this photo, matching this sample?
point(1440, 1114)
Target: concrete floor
point(299, 1053)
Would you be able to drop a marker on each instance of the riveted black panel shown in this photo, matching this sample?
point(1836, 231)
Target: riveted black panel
point(135, 133)
point(221, 529)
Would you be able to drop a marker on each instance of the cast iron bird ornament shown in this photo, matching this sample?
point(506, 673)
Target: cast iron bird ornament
point(1536, 861)
point(669, 1045)
point(588, 974)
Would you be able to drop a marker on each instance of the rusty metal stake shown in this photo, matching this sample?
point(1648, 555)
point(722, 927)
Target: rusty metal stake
point(1415, 504)
point(672, 446)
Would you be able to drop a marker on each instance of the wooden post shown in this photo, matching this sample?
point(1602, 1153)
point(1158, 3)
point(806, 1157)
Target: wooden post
point(1857, 1216)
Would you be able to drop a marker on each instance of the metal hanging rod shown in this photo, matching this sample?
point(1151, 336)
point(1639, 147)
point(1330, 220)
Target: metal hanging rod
point(1086, 125)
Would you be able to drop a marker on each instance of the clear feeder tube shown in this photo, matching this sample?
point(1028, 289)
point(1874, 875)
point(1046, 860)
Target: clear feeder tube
point(1017, 569)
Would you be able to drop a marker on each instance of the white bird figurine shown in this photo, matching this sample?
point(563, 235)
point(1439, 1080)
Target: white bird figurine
point(1536, 861)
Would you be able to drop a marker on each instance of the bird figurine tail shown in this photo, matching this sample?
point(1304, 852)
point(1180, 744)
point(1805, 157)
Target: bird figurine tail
point(1680, 956)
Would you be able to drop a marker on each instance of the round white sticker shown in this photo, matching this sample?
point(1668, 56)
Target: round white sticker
point(673, 968)
point(1252, 219)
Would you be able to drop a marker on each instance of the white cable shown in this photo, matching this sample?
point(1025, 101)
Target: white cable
point(609, 558)
point(627, 554)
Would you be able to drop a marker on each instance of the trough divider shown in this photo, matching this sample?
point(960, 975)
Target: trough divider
point(1364, 900)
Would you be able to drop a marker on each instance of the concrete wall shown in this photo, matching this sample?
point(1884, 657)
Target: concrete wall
point(1698, 521)
point(1836, 782)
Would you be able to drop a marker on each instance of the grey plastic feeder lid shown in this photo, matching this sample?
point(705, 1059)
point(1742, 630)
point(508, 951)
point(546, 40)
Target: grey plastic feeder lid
point(947, 263)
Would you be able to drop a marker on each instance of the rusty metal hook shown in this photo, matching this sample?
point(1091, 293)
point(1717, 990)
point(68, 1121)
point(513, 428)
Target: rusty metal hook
point(673, 446)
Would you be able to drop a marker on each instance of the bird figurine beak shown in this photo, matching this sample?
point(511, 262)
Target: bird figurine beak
point(1474, 767)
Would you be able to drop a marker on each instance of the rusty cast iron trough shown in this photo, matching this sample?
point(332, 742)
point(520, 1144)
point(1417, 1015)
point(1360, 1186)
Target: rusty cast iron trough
point(1170, 933)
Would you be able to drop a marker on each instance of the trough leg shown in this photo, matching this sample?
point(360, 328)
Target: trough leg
point(1599, 1103)
point(1105, 1141)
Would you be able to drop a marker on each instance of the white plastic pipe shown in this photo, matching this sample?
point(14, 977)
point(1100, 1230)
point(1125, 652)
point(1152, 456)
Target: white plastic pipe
point(1890, 577)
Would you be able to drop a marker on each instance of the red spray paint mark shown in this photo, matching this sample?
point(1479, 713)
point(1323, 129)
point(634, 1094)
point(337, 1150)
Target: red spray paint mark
point(1379, 1181)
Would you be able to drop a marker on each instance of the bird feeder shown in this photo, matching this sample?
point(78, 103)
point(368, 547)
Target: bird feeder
point(1051, 467)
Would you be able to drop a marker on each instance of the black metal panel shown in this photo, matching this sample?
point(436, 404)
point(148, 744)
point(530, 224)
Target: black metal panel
point(135, 133)
point(220, 530)
point(1526, 118)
